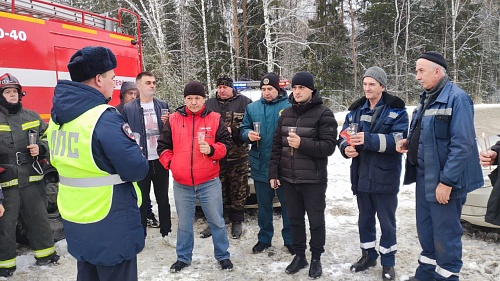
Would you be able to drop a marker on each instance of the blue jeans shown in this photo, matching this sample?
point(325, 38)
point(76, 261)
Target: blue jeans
point(265, 196)
point(210, 196)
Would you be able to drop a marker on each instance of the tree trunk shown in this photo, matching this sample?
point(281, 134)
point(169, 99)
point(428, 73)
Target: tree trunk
point(245, 30)
point(267, 26)
point(353, 45)
point(205, 44)
point(236, 40)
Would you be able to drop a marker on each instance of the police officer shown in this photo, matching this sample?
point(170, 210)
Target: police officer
point(88, 140)
point(21, 179)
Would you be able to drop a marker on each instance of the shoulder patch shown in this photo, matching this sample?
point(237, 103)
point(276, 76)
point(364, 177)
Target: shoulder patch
point(128, 131)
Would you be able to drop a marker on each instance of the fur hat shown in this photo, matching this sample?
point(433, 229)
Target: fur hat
point(127, 86)
point(225, 81)
point(90, 61)
point(376, 73)
point(303, 78)
point(271, 79)
point(434, 57)
point(194, 88)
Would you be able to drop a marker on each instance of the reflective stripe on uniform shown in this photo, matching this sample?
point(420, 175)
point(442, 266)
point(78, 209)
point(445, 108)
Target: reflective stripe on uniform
point(44, 252)
point(16, 181)
point(383, 250)
point(445, 273)
point(4, 128)
point(91, 182)
point(393, 115)
point(367, 245)
point(35, 178)
point(8, 263)
point(426, 260)
point(366, 118)
point(438, 111)
point(30, 125)
point(383, 143)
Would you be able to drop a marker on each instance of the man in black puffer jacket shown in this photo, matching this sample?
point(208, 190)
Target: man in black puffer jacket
point(305, 136)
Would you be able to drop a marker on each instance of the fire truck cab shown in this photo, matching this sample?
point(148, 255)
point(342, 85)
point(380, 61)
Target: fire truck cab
point(37, 39)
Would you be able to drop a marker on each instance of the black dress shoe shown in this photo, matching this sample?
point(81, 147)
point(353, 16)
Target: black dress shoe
point(315, 269)
point(178, 266)
point(226, 265)
point(297, 264)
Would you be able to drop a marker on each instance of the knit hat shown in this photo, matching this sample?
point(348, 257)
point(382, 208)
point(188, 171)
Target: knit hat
point(271, 79)
point(225, 81)
point(90, 61)
point(303, 78)
point(376, 73)
point(434, 57)
point(127, 86)
point(194, 88)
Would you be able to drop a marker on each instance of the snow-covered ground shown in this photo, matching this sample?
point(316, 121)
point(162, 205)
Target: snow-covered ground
point(481, 258)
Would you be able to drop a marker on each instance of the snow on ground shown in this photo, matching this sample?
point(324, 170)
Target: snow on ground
point(481, 258)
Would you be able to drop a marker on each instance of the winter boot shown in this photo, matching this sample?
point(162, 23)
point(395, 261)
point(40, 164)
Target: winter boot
point(6, 272)
point(388, 273)
point(363, 263)
point(52, 259)
point(178, 266)
point(315, 269)
point(226, 265)
point(260, 247)
point(236, 230)
point(297, 264)
point(205, 233)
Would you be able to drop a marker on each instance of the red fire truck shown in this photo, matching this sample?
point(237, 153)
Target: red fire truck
point(37, 39)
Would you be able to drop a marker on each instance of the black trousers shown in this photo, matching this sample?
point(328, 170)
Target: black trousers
point(159, 176)
point(125, 271)
point(302, 199)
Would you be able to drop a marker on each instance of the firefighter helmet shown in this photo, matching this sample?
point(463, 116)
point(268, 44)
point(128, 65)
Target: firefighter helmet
point(9, 81)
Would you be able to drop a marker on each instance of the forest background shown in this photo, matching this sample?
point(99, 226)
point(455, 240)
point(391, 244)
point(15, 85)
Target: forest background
point(335, 40)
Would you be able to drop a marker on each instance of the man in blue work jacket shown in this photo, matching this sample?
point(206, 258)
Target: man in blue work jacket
point(443, 161)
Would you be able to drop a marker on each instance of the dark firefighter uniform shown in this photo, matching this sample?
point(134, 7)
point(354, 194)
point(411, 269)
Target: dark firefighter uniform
point(21, 181)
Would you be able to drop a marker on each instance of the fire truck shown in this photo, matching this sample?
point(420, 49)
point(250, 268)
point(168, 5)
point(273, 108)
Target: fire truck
point(37, 39)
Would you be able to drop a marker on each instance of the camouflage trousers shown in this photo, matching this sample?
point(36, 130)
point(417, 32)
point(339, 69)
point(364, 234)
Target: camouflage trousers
point(234, 179)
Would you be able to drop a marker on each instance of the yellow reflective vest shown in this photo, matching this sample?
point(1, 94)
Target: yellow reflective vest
point(85, 191)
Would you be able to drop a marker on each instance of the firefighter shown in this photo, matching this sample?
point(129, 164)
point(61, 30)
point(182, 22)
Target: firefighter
point(21, 179)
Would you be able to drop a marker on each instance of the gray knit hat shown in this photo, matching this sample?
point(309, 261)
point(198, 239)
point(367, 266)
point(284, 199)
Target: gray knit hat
point(376, 73)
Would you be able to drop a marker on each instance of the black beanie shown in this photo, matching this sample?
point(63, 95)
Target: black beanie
point(271, 79)
point(90, 61)
point(434, 57)
point(303, 78)
point(194, 88)
point(225, 81)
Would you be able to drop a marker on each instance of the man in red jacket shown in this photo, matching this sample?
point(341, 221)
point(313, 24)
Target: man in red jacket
point(192, 143)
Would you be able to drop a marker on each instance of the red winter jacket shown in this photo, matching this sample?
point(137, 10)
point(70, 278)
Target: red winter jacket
point(178, 145)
